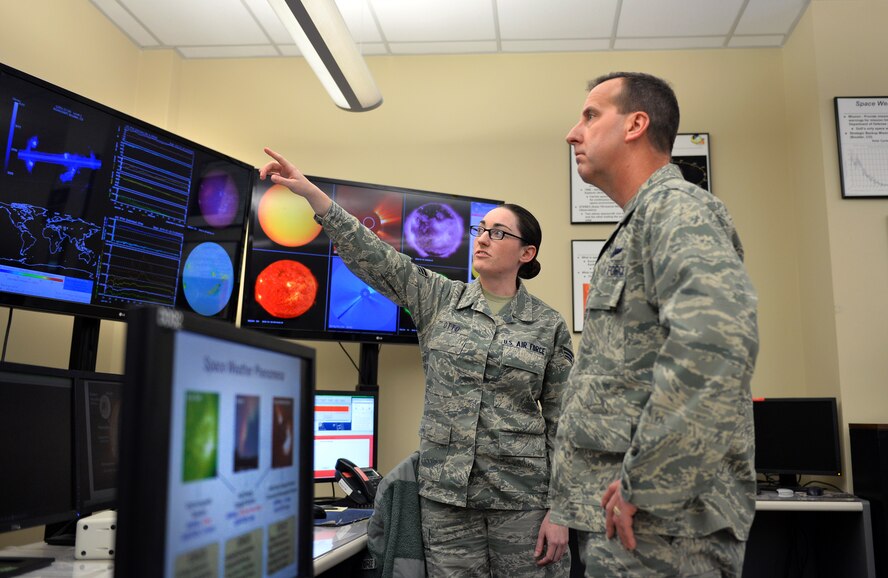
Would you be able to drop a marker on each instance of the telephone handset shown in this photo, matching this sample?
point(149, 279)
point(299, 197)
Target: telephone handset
point(359, 484)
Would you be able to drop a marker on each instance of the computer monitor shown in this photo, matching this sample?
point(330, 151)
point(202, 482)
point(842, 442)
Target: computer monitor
point(295, 284)
point(100, 211)
point(97, 405)
point(345, 426)
point(797, 436)
point(36, 472)
point(215, 472)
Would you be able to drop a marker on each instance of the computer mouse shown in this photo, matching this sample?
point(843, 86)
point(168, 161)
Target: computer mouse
point(319, 512)
point(814, 491)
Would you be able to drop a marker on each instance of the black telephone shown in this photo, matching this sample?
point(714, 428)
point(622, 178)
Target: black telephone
point(359, 484)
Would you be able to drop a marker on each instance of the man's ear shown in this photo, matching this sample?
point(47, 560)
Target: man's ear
point(637, 124)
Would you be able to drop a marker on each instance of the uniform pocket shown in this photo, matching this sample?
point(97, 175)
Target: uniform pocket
point(450, 363)
point(603, 342)
point(603, 433)
point(435, 440)
point(521, 444)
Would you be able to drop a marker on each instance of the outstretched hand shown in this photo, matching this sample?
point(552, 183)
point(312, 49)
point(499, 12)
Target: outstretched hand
point(283, 172)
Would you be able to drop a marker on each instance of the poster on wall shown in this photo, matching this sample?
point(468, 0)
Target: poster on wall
point(862, 130)
point(589, 204)
point(584, 254)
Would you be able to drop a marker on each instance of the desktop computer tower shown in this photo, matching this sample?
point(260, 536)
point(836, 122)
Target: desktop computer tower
point(869, 469)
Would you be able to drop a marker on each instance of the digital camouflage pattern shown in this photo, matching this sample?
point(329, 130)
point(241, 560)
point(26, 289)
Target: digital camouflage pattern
point(718, 555)
point(461, 543)
point(659, 397)
point(493, 383)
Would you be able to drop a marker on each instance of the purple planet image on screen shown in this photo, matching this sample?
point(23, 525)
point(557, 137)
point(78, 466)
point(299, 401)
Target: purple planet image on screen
point(434, 230)
point(218, 198)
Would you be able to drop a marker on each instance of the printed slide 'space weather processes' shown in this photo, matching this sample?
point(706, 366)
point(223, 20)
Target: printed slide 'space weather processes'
point(101, 210)
point(233, 482)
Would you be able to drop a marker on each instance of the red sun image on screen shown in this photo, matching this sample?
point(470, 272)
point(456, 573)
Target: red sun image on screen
point(286, 289)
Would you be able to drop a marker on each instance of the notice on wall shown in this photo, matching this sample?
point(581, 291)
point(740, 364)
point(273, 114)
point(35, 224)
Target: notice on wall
point(862, 131)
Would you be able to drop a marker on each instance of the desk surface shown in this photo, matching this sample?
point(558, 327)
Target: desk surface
point(770, 501)
point(332, 545)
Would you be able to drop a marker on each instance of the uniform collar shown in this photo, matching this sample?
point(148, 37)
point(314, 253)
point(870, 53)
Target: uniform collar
point(520, 308)
point(664, 173)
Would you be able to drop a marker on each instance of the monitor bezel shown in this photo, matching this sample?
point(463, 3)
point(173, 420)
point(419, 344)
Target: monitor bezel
point(836, 436)
point(352, 335)
point(145, 439)
point(86, 502)
point(30, 520)
point(104, 311)
point(352, 393)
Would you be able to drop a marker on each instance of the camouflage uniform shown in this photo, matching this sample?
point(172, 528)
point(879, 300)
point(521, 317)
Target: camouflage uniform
point(659, 397)
point(493, 382)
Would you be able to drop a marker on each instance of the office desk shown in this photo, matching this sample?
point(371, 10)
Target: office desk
point(332, 545)
point(808, 536)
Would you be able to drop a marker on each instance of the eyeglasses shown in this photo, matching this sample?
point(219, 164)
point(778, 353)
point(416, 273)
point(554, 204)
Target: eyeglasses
point(494, 234)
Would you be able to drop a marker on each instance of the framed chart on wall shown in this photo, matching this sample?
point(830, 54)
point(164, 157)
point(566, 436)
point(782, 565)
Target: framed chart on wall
point(589, 204)
point(584, 254)
point(862, 131)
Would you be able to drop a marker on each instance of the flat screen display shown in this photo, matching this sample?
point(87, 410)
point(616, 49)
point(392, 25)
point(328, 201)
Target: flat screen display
point(100, 211)
point(345, 426)
point(219, 451)
point(297, 286)
point(97, 405)
point(36, 453)
point(797, 435)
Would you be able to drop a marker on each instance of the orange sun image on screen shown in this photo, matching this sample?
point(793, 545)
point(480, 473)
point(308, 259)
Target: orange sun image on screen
point(286, 218)
point(286, 289)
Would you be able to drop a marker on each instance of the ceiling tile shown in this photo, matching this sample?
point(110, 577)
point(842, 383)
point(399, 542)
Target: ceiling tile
point(480, 47)
point(228, 51)
point(772, 41)
point(555, 19)
point(197, 22)
point(665, 18)
point(268, 19)
point(668, 43)
point(770, 16)
point(435, 20)
point(125, 21)
point(581, 45)
point(359, 19)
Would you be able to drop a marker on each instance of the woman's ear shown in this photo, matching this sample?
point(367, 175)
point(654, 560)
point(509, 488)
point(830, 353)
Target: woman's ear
point(527, 254)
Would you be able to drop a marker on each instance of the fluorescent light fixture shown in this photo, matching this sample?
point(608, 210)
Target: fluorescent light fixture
point(320, 33)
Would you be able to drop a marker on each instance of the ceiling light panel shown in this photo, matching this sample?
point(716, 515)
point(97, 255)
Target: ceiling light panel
point(555, 19)
point(435, 20)
point(662, 18)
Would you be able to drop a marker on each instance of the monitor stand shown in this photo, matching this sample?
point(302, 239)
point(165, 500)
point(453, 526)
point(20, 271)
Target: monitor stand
point(788, 481)
point(60, 533)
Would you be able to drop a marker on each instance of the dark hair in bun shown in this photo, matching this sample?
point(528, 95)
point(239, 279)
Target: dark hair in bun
point(529, 230)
